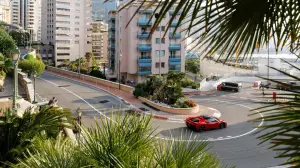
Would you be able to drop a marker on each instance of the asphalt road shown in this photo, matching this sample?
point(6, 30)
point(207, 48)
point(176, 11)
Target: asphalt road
point(235, 145)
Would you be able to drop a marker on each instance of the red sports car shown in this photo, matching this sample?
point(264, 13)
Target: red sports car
point(203, 123)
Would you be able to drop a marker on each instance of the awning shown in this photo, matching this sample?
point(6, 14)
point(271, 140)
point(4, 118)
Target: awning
point(174, 63)
point(145, 64)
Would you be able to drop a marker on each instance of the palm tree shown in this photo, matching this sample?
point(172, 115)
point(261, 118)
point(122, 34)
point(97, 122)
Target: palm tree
point(17, 133)
point(239, 27)
point(126, 141)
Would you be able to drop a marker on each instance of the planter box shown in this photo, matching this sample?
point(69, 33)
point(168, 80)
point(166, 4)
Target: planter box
point(180, 111)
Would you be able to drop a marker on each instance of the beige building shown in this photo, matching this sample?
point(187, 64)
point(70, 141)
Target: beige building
point(5, 11)
point(99, 41)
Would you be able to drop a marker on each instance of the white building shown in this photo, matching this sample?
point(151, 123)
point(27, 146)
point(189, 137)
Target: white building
point(5, 11)
point(27, 14)
point(67, 25)
point(99, 41)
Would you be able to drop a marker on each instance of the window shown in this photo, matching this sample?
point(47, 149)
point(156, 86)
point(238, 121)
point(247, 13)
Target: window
point(77, 23)
point(76, 35)
point(77, 4)
point(63, 22)
point(63, 48)
point(157, 29)
point(63, 41)
point(62, 28)
point(63, 54)
point(76, 29)
point(63, 3)
point(163, 40)
point(63, 9)
point(162, 53)
point(162, 28)
point(172, 53)
point(77, 11)
point(157, 40)
point(76, 42)
point(162, 64)
point(77, 17)
point(157, 65)
point(63, 16)
point(157, 53)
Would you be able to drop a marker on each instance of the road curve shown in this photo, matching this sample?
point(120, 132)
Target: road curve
point(235, 145)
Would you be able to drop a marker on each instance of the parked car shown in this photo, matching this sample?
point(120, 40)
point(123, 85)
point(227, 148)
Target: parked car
point(286, 86)
point(203, 123)
point(229, 86)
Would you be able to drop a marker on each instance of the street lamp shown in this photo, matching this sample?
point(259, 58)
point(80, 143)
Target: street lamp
point(120, 71)
point(15, 57)
point(34, 77)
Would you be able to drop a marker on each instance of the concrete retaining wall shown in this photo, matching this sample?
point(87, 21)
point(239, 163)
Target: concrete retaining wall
point(180, 111)
point(4, 104)
point(88, 78)
point(27, 84)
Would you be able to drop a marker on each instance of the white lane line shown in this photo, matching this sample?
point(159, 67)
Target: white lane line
point(78, 97)
point(227, 137)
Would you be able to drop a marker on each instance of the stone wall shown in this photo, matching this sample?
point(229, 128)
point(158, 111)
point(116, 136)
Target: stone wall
point(27, 84)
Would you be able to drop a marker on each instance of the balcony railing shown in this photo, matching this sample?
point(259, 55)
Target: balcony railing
point(144, 71)
point(145, 47)
point(176, 35)
point(143, 34)
point(176, 58)
point(174, 23)
point(112, 37)
point(171, 12)
point(147, 11)
point(144, 59)
point(112, 47)
point(112, 28)
point(175, 68)
point(144, 23)
point(175, 47)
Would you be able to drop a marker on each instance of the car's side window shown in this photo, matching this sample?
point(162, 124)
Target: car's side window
point(211, 120)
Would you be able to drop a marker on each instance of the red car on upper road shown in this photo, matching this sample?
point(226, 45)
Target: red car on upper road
point(203, 123)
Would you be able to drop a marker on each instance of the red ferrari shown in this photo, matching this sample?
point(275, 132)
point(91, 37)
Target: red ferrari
point(203, 123)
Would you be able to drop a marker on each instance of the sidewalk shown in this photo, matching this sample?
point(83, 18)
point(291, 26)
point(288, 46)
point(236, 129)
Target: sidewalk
point(138, 104)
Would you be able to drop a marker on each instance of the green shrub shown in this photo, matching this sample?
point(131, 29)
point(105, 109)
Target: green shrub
point(190, 103)
point(2, 74)
point(195, 85)
point(30, 57)
point(30, 66)
point(140, 90)
point(97, 73)
point(186, 82)
point(83, 70)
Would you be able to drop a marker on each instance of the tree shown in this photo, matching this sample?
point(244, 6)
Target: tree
point(192, 65)
point(17, 133)
point(31, 66)
point(127, 141)
point(7, 44)
point(5, 63)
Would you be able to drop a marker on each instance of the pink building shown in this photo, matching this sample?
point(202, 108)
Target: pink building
point(139, 56)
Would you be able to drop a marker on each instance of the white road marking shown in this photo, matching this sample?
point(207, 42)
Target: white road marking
point(79, 98)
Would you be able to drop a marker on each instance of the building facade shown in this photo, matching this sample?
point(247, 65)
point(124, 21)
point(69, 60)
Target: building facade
point(99, 41)
point(112, 44)
point(134, 55)
point(67, 26)
point(101, 9)
point(5, 11)
point(27, 14)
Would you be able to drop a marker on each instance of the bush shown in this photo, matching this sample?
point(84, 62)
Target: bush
point(30, 57)
point(140, 90)
point(97, 73)
point(30, 66)
point(2, 74)
point(190, 103)
point(186, 82)
point(83, 70)
point(195, 85)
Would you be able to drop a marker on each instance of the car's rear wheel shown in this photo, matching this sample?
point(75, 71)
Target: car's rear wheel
point(201, 128)
point(222, 126)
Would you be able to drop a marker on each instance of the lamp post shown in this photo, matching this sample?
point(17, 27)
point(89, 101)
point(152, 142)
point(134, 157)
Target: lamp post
point(34, 77)
point(16, 57)
point(120, 71)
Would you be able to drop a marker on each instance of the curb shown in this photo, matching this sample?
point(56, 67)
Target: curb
point(201, 93)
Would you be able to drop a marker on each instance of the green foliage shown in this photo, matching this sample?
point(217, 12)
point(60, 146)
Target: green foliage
point(282, 124)
point(7, 44)
point(125, 141)
point(30, 57)
point(195, 85)
point(97, 73)
point(192, 65)
point(31, 66)
point(175, 76)
point(19, 37)
point(18, 133)
point(83, 70)
point(39, 57)
point(187, 82)
point(140, 90)
point(6, 64)
point(2, 74)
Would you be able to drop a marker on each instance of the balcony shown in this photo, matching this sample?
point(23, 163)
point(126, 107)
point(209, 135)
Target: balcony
point(112, 28)
point(176, 35)
point(175, 47)
point(144, 23)
point(147, 11)
point(175, 58)
point(112, 56)
point(144, 59)
point(112, 47)
point(175, 68)
point(112, 19)
point(145, 47)
point(112, 37)
point(174, 23)
point(171, 12)
point(144, 69)
point(143, 34)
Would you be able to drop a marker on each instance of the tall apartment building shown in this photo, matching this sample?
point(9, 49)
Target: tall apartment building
point(139, 56)
point(99, 41)
point(27, 14)
point(67, 26)
point(5, 11)
point(112, 43)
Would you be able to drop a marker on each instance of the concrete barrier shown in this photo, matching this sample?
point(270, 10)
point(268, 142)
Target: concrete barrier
point(27, 84)
point(180, 111)
point(91, 79)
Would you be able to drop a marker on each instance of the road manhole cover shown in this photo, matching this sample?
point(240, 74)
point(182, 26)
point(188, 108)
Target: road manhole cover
point(64, 85)
point(103, 101)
